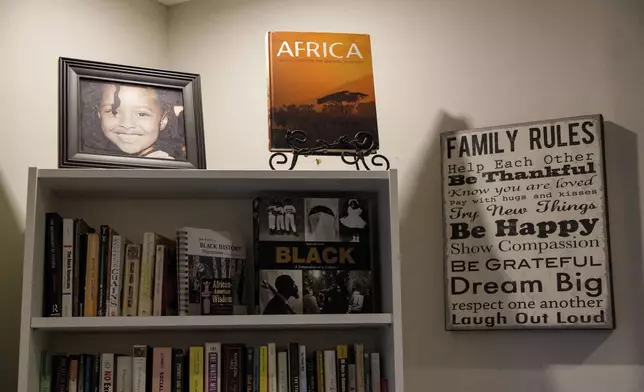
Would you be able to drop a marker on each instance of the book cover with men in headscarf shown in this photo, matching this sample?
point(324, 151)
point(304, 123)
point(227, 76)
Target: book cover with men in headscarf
point(314, 255)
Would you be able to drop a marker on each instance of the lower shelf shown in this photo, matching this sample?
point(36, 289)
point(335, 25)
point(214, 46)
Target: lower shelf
point(89, 324)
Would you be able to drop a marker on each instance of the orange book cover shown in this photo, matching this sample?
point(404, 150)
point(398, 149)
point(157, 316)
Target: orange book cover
point(322, 84)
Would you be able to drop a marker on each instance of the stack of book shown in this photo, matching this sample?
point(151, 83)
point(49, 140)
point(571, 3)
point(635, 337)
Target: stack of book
point(216, 367)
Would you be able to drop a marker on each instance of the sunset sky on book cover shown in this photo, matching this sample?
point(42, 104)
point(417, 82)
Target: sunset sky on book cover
point(320, 83)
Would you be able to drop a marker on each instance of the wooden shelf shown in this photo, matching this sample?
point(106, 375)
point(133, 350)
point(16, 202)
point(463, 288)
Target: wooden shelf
point(187, 323)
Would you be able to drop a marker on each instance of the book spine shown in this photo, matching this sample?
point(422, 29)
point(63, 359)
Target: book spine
point(68, 268)
point(213, 367)
point(331, 383)
point(282, 371)
point(311, 374)
point(302, 363)
point(249, 368)
point(196, 369)
point(351, 370)
point(162, 361)
point(178, 357)
point(256, 369)
point(375, 372)
point(294, 367)
point(91, 276)
point(384, 387)
point(233, 360)
point(170, 298)
point(80, 278)
point(342, 356)
point(45, 372)
point(88, 371)
point(107, 372)
point(147, 275)
point(76, 271)
point(131, 279)
point(139, 368)
point(52, 304)
point(263, 369)
point(124, 374)
point(159, 268)
point(72, 382)
point(96, 373)
point(103, 267)
point(81, 373)
point(116, 266)
point(367, 373)
point(59, 364)
point(319, 364)
point(272, 368)
point(183, 273)
point(359, 359)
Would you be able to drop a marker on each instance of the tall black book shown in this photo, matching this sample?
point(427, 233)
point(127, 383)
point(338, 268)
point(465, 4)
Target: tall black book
point(104, 253)
point(80, 266)
point(178, 371)
point(232, 367)
point(249, 369)
point(294, 367)
point(59, 365)
point(311, 374)
point(53, 290)
point(342, 356)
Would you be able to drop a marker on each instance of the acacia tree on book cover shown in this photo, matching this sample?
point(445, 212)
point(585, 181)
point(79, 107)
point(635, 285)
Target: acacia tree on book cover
point(322, 84)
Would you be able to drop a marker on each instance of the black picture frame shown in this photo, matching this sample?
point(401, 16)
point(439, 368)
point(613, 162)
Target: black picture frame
point(71, 71)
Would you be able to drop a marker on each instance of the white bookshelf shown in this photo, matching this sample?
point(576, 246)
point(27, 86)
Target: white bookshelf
point(135, 201)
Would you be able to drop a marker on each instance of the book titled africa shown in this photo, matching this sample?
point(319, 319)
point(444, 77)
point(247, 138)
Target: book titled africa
point(314, 255)
point(321, 84)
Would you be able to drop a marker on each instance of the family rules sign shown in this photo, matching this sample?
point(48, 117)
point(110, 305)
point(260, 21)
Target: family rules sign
point(526, 227)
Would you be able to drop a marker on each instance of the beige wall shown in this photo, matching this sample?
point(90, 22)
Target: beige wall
point(439, 65)
point(33, 34)
point(453, 64)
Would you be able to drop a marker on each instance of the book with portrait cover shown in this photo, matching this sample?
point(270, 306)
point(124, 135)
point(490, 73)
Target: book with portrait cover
point(322, 84)
point(314, 255)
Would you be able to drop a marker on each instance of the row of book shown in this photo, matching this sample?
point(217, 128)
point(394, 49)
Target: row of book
point(90, 273)
point(312, 256)
point(216, 367)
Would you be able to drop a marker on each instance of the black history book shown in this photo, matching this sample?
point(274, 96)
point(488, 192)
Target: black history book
point(314, 255)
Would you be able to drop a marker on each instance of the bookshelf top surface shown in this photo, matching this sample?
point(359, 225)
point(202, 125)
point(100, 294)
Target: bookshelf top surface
point(327, 321)
point(159, 183)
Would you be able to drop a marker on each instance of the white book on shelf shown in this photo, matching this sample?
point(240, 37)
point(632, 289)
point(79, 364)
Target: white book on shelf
point(330, 376)
point(68, 268)
point(282, 372)
point(131, 276)
point(107, 372)
point(139, 368)
point(159, 268)
point(375, 372)
point(272, 368)
point(123, 373)
point(116, 277)
point(213, 367)
point(359, 353)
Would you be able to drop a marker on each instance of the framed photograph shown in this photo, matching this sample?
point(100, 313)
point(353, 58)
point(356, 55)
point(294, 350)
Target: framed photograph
point(120, 116)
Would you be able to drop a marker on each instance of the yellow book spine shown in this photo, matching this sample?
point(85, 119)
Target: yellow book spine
point(263, 369)
point(196, 369)
point(342, 351)
point(91, 276)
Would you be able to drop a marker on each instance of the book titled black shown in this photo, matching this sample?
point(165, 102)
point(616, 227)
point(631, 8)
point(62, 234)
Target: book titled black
point(233, 370)
point(294, 367)
point(178, 371)
point(80, 266)
point(249, 368)
point(103, 269)
point(311, 374)
point(314, 255)
point(53, 293)
point(60, 367)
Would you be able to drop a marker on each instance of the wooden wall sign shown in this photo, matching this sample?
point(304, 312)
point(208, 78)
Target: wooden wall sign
point(526, 227)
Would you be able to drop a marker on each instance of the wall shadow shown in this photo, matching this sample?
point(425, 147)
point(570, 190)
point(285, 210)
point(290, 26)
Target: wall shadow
point(428, 345)
point(11, 255)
